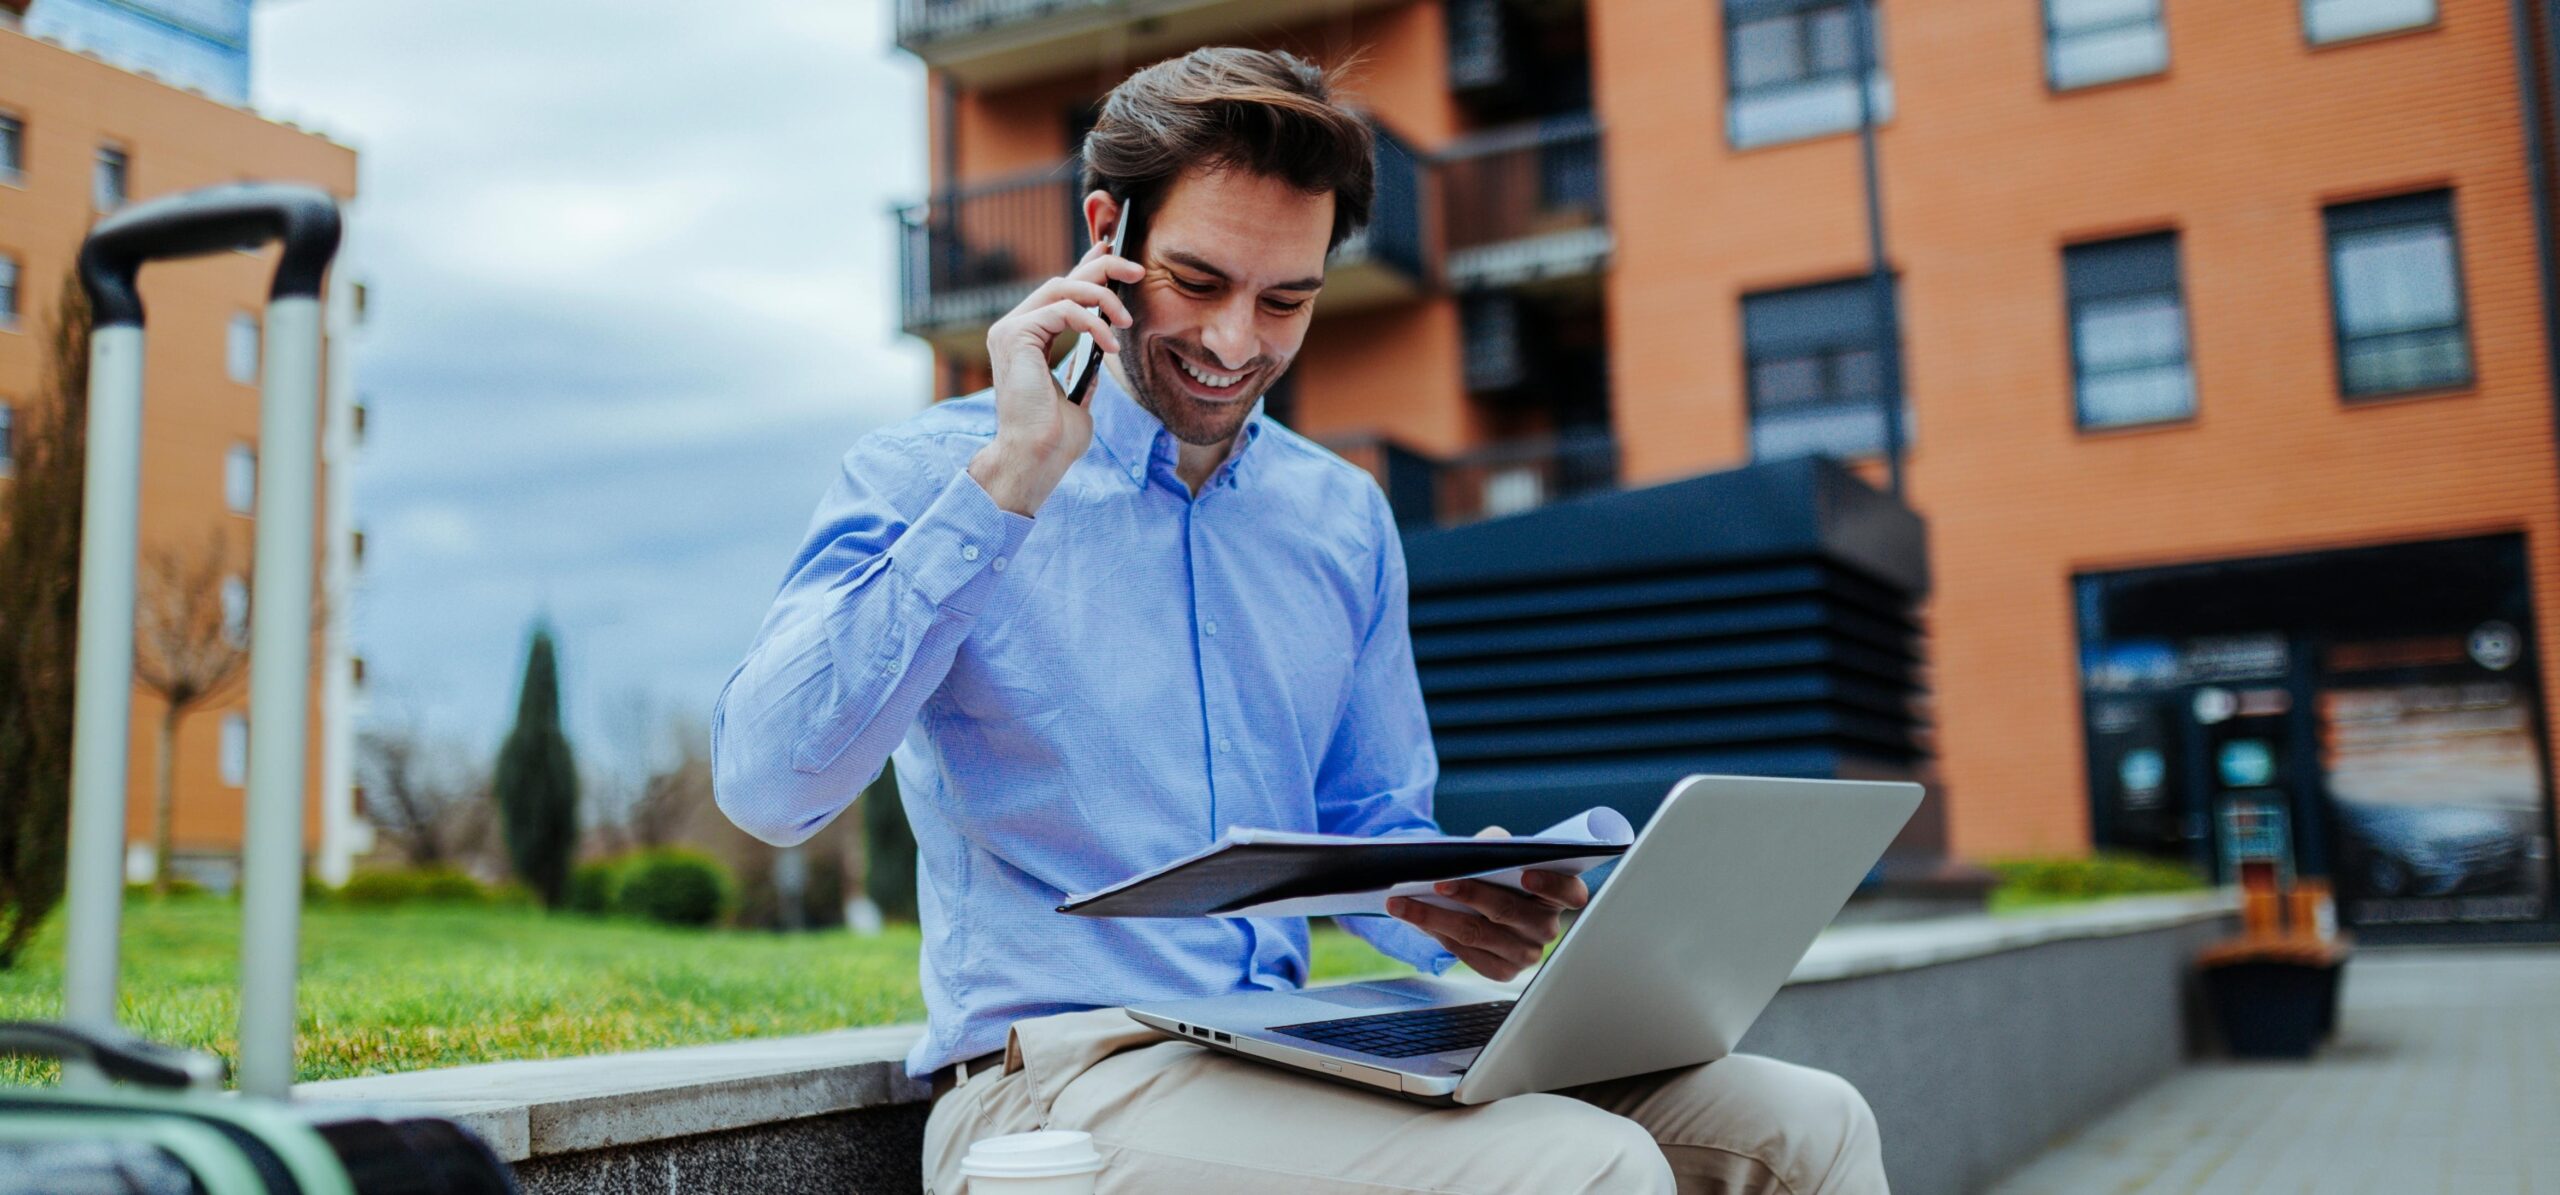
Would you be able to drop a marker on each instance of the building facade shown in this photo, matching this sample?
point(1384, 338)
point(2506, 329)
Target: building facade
point(79, 137)
point(2221, 337)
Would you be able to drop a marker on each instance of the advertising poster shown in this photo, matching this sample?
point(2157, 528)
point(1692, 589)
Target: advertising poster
point(2439, 802)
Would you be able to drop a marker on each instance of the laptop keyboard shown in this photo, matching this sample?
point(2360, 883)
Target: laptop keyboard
point(1407, 1034)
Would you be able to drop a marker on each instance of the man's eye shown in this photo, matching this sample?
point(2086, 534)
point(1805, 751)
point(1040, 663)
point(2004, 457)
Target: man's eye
point(1195, 288)
point(1279, 308)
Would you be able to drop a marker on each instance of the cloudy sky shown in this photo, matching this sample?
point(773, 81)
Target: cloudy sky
point(633, 292)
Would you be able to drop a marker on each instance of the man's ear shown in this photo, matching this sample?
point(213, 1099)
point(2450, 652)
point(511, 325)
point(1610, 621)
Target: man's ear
point(1101, 215)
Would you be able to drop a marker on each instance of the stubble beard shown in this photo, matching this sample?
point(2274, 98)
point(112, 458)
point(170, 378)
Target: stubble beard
point(1191, 421)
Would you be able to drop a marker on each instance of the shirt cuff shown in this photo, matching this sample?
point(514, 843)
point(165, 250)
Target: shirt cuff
point(956, 550)
point(1400, 941)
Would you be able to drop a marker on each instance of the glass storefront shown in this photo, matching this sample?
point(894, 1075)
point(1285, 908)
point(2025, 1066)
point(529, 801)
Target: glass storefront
point(2385, 701)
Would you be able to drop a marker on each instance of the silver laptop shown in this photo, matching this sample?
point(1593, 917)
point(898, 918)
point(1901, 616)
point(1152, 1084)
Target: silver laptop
point(1675, 957)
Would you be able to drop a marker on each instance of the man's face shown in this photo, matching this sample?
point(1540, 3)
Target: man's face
point(1233, 262)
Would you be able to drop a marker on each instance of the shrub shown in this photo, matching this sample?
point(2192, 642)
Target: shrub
point(675, 887)
point(428, 885)
point(591, 886)
point(2100, 875)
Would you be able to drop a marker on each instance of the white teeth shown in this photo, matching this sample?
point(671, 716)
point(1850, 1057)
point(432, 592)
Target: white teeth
point(1214, 381)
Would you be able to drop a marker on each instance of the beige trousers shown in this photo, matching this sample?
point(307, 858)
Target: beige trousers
point(1169, 1116)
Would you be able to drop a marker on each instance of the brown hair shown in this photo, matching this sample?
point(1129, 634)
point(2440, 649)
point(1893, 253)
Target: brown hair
point(1268, 112)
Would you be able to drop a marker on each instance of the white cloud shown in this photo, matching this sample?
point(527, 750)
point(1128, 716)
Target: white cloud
point(634, 291)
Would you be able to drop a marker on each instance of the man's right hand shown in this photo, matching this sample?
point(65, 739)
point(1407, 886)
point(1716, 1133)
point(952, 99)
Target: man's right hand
point(1038, 432)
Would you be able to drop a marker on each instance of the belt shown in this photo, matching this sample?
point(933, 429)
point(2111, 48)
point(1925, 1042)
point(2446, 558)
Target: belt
point(958, 1073)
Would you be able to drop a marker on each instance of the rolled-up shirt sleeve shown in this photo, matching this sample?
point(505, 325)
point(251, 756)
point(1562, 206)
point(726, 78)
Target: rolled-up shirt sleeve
point(1378, 772)
point(904, 551)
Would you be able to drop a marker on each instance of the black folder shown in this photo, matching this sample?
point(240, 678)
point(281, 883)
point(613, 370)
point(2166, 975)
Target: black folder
point(1250, 868)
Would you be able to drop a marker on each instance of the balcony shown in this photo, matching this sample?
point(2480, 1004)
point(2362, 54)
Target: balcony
point(1524, 204)
point(1508, 478)
point(968, 256)
point(1499, 479)
point(987, 43)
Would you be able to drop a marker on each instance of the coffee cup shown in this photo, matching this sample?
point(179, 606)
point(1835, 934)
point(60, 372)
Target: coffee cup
point(1049, 1162)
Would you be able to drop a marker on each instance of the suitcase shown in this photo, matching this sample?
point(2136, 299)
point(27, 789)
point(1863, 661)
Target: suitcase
point(132, 1117)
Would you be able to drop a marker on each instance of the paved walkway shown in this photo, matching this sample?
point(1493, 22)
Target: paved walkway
point(2444, 1077)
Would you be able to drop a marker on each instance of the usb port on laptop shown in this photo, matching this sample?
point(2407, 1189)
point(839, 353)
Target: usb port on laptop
point(1223, 1039)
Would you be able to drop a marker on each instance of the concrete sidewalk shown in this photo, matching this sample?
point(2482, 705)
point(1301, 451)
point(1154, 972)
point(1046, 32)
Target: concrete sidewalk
point(2444, 1076)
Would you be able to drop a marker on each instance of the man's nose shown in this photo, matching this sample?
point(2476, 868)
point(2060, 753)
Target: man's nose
point(1229, 336)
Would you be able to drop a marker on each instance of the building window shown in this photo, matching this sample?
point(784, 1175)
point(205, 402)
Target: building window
point(1816, 362)
point(240, 479)
point(2338, 20)
point(2397, 296)
point(240, 348)
point(8, 440)
point(235, 611)
point(9, 271)
point(2089, 42)
point(107, 178)
point(2128, 332)
point(13, 150)
point(235, 750)
point(1791, 66)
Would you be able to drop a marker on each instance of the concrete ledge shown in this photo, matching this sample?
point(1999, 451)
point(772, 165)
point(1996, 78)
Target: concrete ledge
point(1977, 1039)
point(572, 1105)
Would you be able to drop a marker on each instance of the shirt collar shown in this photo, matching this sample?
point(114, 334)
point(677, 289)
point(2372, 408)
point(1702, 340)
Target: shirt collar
point(1135, 438)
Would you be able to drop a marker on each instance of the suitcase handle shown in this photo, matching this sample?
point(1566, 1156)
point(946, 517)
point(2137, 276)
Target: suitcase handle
point(195, 223)
point(118, 1055)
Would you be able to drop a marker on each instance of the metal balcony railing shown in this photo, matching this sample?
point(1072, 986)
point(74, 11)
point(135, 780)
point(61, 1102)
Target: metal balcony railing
point(1523, 203)
point(968, 256)
point(1509, 478)
point(922, 22)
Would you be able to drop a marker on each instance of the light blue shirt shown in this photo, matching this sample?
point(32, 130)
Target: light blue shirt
point(1075, 699)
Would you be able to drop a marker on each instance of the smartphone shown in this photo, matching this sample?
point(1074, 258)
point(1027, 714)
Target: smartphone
point(1088, 354)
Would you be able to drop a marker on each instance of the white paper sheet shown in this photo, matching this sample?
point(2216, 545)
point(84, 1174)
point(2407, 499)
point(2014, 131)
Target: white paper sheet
point(1600, 826)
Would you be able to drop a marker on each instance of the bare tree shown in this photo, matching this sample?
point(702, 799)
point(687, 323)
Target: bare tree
point(422, 795)
point(676, 793)
point(190, 647)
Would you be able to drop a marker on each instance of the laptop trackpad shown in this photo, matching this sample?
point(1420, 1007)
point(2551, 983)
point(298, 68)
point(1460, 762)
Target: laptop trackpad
point(1366, 996)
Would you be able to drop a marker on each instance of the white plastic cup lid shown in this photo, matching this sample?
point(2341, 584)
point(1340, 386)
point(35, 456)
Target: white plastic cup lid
point(1033, 1155)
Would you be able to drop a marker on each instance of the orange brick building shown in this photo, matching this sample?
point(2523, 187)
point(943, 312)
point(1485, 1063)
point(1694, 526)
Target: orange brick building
point(79, 136)
point(2223, 330)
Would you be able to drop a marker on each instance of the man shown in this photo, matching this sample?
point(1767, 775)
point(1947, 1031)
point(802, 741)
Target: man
point(1095, 636)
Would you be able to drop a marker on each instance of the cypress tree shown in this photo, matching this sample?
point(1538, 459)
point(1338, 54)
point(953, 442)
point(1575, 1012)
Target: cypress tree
point(537, 780)
point(40, 515)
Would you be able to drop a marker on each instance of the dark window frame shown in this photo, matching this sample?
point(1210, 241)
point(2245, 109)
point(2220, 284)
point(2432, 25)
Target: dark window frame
point(8, 438)
point(2412, 209)
point(1802, 13)
point(15, 296)
point(2080, 287)
point(2158, 19)
point(98, 163)
point(13, 135)
point(1829, 351)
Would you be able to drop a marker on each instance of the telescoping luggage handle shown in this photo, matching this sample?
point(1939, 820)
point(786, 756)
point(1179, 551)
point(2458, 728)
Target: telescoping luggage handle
point(189, 224)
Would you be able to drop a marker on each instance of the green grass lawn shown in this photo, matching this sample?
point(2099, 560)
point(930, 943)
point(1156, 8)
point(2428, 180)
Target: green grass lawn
point(409, 988)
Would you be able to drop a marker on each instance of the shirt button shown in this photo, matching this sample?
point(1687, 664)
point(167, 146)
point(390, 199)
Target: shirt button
point(968, 551)
point(1137, 471)
point(999, 564)
point(1210, 627)
point(1226, 744)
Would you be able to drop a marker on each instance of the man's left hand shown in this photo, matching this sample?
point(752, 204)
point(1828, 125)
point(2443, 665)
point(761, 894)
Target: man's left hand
point(1501, 932)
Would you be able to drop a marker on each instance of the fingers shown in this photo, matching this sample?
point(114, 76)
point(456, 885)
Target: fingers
point(1046, 323)
point(1100, 265)
point(1529, 916)
point(1491, 948)
point(1082, 292)
point(1563, 889)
